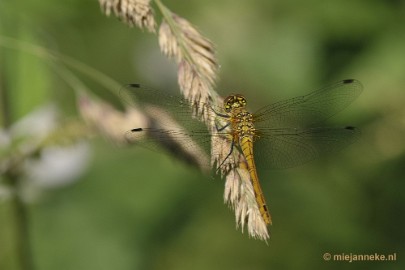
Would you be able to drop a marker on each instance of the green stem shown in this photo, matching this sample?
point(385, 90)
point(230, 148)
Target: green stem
point(19, 209)
point(22, 235)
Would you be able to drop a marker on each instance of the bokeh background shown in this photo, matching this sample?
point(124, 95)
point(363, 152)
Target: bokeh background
point(94, 205)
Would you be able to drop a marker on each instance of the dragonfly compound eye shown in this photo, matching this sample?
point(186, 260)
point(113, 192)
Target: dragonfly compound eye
point(240, 100)
point(234, 101)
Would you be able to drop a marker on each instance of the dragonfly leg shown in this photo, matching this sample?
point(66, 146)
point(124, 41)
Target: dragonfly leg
point(227, 156)
point(219, 114)
point(219, 129)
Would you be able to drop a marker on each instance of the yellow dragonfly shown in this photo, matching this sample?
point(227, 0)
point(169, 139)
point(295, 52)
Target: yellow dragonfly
point(281, 135)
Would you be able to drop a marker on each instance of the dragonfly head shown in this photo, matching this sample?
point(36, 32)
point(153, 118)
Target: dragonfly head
point(233, 102)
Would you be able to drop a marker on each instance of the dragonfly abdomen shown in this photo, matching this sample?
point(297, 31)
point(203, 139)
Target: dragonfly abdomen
point(246, 144)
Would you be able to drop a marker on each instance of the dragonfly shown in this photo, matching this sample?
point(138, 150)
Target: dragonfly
point(281, 135)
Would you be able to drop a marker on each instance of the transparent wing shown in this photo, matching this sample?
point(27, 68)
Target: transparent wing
point(153, 138)
point(192, 147)
point(309, 109)
point(173, 105)
point(171, 123)
point(171, 120)
point(289, 147)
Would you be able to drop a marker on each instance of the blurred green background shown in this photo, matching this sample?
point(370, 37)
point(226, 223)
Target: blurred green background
point(134, 209)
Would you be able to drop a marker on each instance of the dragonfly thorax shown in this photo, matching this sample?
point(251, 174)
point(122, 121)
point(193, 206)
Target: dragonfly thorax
point(234, 102)
point(242, 123)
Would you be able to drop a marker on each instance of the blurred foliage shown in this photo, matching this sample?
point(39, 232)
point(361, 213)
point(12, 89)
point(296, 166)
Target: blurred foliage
point(133, 209)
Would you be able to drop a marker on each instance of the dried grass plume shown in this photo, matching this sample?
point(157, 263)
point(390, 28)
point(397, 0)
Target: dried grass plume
point(131, 12)
point(194, 54)
point(197, 74)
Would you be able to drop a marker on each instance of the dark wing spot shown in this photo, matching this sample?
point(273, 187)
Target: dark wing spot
point(136, 85)
point(348, 81)
point(136, 129)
